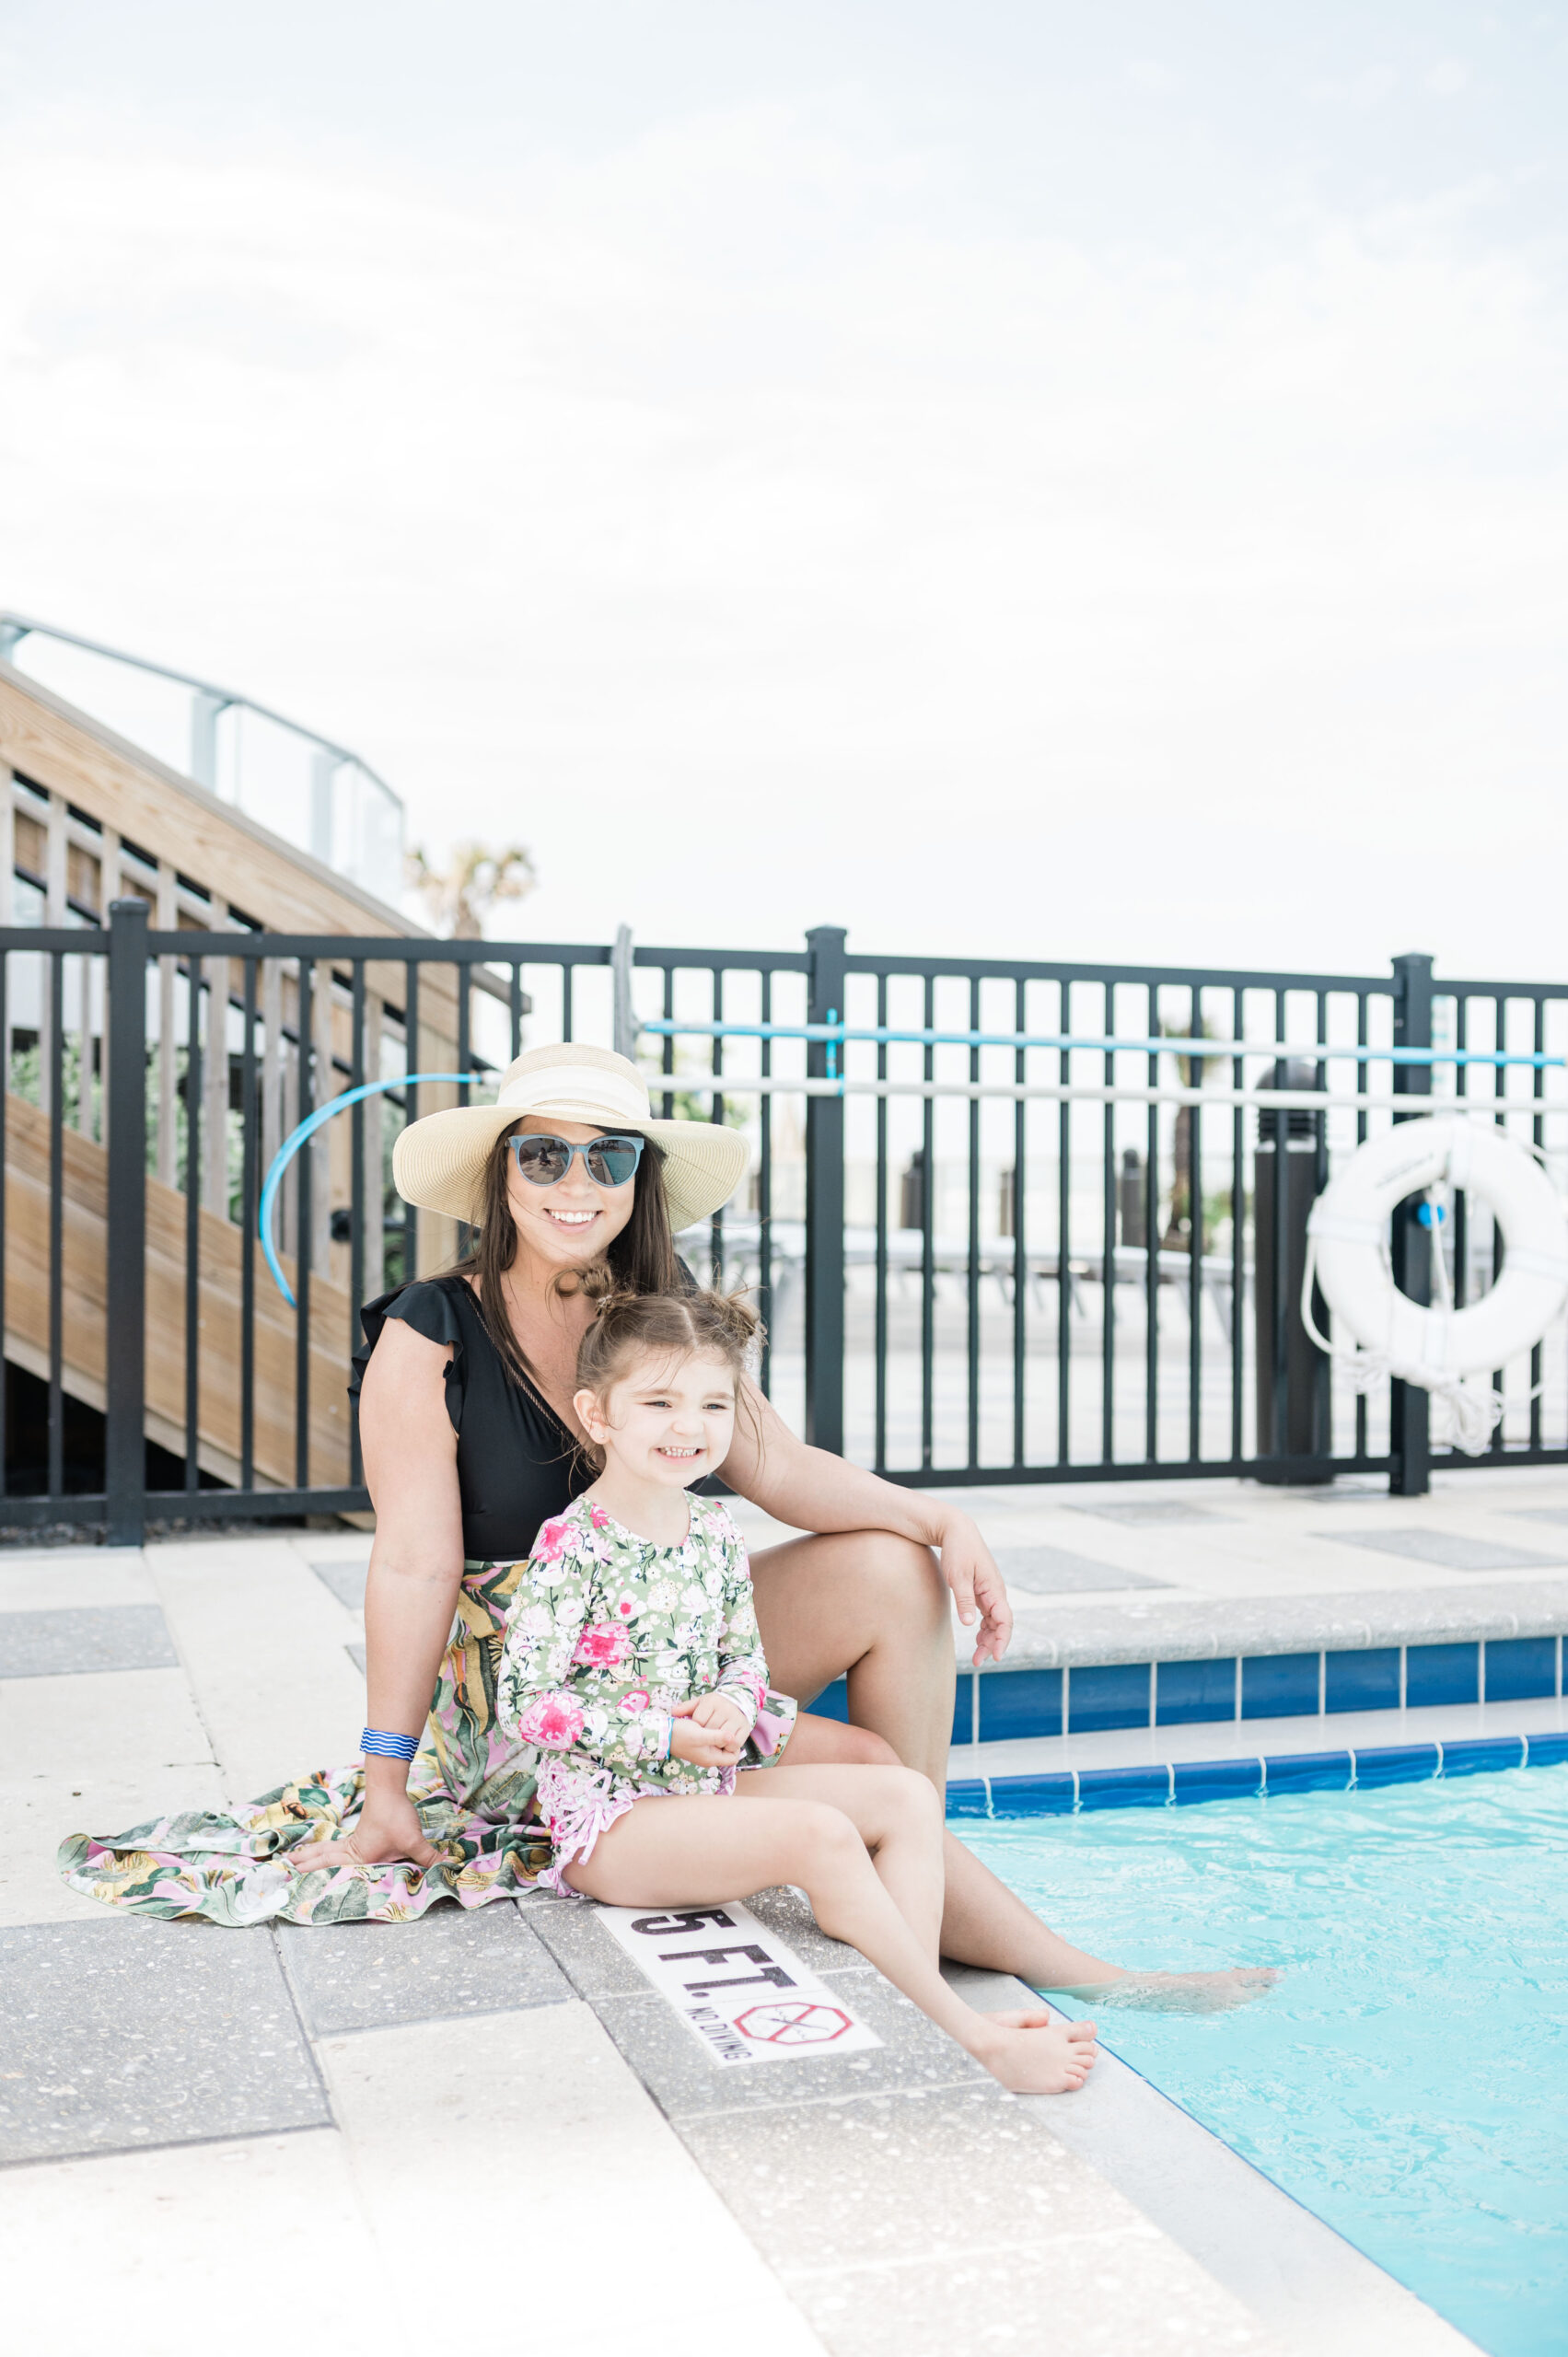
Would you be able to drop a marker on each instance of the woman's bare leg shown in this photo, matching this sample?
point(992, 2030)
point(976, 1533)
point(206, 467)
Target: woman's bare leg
point(876, 1605)
point(696, 1851)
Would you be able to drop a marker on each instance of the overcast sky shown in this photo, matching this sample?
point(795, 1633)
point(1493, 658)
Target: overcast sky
point(1000, 475)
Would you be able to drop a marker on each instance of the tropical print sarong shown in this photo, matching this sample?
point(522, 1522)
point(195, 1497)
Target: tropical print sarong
point(473, 1786)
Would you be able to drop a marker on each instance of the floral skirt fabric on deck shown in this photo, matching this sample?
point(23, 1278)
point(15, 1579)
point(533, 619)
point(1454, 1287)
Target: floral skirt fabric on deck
point(473, 1787)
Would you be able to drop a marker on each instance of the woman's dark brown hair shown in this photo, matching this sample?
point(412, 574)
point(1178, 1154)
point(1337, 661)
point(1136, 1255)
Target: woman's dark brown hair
point(641, 1260)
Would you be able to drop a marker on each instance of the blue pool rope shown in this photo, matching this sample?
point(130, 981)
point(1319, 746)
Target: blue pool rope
point(307, 1129)
point(1216, 1050)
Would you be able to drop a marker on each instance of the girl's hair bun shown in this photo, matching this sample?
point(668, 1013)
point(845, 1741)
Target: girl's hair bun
point(629, 1326)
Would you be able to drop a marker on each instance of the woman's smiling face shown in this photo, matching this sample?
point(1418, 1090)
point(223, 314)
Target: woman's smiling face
point(575, 1221)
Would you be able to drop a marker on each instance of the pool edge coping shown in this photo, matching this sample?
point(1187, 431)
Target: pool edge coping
point(1290, 2269)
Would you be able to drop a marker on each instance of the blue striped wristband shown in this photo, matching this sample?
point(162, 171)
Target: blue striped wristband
point(376, 1741)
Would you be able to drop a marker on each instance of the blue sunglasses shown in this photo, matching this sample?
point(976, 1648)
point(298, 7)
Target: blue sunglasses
point(544, 1161)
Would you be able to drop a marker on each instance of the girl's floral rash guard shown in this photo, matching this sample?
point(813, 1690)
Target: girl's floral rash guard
point(606, 1632)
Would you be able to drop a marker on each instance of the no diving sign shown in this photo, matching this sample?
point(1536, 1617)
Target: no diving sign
point(742, 1989)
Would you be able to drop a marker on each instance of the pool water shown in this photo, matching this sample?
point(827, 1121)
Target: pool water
point(1408, 2079)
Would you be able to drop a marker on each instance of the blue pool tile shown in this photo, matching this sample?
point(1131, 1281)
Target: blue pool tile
point(1279, 1686)
point(1520, 1669)
point(1033, 1796)
point(963, 1708)
point(1479, 1754)
point(1113, 1695)
point(1019, 1702)
point(966, 1798)
point(1441, 1674)
point(1396, 1763)
point(1368, 1681)
point(1189, 1692)
point(1547, 1749)
point(1123, 1787)
point(834, 1704)
point(1216, 1779)
point(1309, 1771)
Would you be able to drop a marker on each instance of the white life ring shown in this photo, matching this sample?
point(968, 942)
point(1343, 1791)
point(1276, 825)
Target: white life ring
point(1437, 1347)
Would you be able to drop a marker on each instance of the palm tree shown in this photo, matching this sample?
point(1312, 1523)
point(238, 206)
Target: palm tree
point(461, 896)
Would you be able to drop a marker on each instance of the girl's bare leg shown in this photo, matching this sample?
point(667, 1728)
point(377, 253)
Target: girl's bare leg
point(696, 1851)
point(876, 1605)
point(899, 1819)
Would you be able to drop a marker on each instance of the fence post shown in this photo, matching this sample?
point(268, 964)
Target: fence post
point(623, 1019)
point(1410, 1407)
point(126, 1107)
point(825, 1202)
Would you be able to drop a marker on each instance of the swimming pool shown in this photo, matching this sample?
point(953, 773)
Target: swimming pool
point(1409, 2081)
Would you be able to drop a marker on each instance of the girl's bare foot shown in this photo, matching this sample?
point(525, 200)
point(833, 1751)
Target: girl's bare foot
point(1184, 1992)
point(1034, 2056)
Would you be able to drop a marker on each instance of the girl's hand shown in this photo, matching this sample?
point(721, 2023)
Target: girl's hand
point(387, 1833)
point(709, 1732)
point(969, 1568)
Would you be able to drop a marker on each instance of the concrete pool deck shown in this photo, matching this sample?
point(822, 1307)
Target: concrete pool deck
point(337, 2134)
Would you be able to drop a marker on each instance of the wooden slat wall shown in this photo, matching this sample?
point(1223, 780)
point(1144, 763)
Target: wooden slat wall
point(86, 1228)
point(193, 839)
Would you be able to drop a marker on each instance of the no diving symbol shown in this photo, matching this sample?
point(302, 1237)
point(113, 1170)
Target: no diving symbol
point(793, 2022)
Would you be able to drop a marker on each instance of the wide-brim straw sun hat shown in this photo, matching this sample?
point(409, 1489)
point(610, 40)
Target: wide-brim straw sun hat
point(440, 1161)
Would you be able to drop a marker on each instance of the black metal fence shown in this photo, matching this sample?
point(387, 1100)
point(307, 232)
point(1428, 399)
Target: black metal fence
point(1000, 1214)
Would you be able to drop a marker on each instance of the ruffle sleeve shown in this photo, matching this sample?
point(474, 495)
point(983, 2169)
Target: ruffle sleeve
point(427, 1305)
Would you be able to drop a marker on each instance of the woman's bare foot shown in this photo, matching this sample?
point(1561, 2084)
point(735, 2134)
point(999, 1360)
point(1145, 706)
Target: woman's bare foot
point(1183, 1992)
point(1034, 2056)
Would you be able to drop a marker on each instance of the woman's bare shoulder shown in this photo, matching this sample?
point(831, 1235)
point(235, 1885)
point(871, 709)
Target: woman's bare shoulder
point(404, 1387)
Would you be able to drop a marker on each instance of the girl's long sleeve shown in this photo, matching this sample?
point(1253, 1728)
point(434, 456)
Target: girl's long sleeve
point(743, 1665)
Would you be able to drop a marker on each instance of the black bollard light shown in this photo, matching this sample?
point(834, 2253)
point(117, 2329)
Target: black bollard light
point(1294, 1439)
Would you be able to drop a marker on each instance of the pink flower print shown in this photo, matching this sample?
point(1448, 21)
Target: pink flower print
point(635, 1701)
point(551, 1720)
point(598, 1517)
point(552, 1540)
point(602, 1645)
point(626, 1608)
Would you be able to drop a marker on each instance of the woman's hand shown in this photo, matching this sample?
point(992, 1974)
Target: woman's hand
point(979, 1589)
point(709, 1732)
point(387, 1833)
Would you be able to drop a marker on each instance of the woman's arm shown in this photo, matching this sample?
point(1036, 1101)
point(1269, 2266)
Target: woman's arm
point(812, 1490)
point(416, 1567)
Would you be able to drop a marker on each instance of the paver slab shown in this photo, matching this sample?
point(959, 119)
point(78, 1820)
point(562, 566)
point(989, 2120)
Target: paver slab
point(345, 1581)
point(59, 1643)
point(1125, 2292)
point(450, 1962)
point(1055, 1571)
point(914, 2054)
point(135, 2253)
point(1455, 1550)
point(525, 2136)
point(860, 2178)
point(1141, 1512)
point(133, 2033)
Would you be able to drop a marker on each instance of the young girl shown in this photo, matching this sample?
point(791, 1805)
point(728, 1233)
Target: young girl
point(633, 1662)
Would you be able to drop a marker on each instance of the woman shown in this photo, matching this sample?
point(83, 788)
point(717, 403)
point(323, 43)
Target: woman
point(470, 1443)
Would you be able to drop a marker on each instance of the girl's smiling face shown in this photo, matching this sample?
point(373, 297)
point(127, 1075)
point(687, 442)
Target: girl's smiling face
point(669, 1421)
